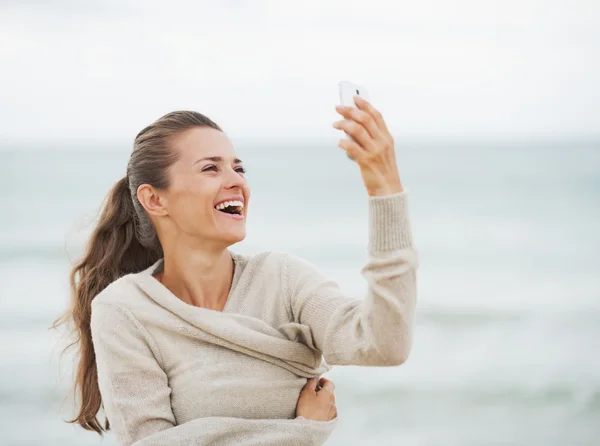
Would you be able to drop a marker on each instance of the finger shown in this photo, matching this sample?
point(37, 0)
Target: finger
point(327, 385)
point(366, 106)
point(357, 132)
point(333, 413)
point(353, 150)
point(311, 384)
point(323, 381)
point(361, 117)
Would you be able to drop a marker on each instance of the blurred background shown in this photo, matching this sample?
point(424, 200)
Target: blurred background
point(495, 108)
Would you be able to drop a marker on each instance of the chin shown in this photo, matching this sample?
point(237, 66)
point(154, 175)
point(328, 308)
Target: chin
point(230, 229)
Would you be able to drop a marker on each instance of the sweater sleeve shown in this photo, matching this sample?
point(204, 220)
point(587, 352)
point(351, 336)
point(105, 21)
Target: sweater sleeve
point(376, 330)
point(136, 396)
point(134, 388)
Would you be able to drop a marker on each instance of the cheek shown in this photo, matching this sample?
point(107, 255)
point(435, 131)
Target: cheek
point(192, 206)
point(246, 191)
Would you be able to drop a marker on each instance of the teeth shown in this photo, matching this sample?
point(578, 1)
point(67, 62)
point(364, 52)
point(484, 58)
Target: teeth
point(235, 203)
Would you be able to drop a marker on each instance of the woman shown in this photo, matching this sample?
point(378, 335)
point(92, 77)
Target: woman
point(182, 341)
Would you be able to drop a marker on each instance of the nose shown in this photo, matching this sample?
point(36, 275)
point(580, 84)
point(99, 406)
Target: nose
point(233, 179)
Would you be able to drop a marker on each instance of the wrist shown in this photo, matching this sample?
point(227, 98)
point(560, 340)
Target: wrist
point(388, 189)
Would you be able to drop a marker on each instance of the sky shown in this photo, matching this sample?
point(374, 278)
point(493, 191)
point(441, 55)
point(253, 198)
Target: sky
point(96, 71)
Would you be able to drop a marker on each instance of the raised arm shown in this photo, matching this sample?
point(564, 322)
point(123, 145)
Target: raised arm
point(136, 396)
point(376, 330)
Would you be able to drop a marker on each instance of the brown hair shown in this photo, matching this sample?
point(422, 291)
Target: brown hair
point(123, 242)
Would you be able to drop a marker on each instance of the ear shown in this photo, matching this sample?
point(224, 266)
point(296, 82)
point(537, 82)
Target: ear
point(152, 200)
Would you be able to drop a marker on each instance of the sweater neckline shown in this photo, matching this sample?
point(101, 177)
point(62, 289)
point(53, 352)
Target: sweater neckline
point(164, 295)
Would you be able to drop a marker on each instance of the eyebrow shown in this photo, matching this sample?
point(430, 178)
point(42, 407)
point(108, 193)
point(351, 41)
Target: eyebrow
point(216, 159)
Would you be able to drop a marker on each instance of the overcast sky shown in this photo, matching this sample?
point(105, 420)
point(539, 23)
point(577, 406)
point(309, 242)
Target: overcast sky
point(463, 69)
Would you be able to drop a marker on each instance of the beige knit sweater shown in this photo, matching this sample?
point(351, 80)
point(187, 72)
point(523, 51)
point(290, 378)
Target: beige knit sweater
point(174, 374)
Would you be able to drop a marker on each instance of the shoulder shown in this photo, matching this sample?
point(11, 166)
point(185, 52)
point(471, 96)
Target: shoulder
point(113, 301)
point(115, 292)
point(121, 299)
point(271, 261)
point(287, 267)
point(117, 316)
point(125, 292)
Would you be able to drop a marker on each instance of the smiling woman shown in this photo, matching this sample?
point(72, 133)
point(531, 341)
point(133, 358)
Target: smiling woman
point(182, 341)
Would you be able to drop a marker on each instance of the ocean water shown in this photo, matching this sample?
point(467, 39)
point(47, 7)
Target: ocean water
point(507, 344)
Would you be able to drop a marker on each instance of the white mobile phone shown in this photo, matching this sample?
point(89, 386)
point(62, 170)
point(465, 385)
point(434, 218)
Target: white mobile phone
point(348, 90)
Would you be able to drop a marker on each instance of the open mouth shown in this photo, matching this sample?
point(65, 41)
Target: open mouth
point(231, 207)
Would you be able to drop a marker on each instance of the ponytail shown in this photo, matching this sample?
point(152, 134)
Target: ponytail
point(113, 251)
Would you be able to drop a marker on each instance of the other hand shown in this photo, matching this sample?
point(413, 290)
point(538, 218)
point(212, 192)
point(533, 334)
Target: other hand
point(317, 405)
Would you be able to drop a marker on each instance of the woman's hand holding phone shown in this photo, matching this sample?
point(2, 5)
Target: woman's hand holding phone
point(371, 146)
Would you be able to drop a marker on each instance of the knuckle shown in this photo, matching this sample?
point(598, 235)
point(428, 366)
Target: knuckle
point(353, 127)
point(361, 116)
point(371, 156)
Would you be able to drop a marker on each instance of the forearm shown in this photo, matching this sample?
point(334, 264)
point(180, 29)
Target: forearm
point(385, 319)
point(376, 330)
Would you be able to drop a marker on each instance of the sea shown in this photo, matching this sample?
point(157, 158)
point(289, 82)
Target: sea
point(507, 343)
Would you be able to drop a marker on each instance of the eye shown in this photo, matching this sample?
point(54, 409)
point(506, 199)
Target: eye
point(240, 170)
point(211, 167)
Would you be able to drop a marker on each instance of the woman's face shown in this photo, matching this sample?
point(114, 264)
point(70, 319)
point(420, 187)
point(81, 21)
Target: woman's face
point(208, 196)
